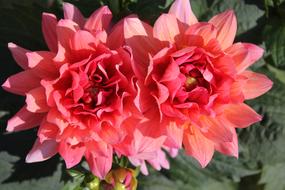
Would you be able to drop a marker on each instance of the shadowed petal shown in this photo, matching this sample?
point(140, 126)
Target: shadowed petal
point(99, 20)
point(73, 13)
point(36, 100)
point(24, 120)
point(16, 85)
point(42, 151)
point(49, 23)
point(19, 55)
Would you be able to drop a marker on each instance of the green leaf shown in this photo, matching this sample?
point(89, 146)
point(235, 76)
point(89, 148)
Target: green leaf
point(273, 177)
point(279, 74)
point(274, 35)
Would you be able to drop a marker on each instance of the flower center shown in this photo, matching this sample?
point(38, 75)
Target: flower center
point(190, 82)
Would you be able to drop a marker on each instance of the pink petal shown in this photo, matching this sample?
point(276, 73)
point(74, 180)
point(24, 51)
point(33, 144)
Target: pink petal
point(166, 28)
point(47, 131)
point(174, 135)
point(73, 13)
point(16, 85)
point(139, 37)
point(198, 146)
point(182, 10)
point(226, 24)
point(100, 165)
point(244, 55)
point(36, 100)
point(49, 23)
point(255, 85)
point(42, 65)
point(99, 20)
point(240, 115)
point(24, 120)
point(42, 151)
point(205, 30)
point(65, 31)
point(72, 155)
point(229, 148)
point(83, 40)
point(19, 55)
point(215, 130)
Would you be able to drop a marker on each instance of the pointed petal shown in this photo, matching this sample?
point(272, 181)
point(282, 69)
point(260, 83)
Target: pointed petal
point(255, 85)
point(65, 30)
point(16, 85)
point(42, 65)
point(42, 151)
point(166, 28)
point(182, 10)
point(139, 37)
point(244, 55)
point(174, 136)
point(73, 13)
point(49, 23)
point(198, 146)
point(229, 148)
point(72, 155)
point(215, 130)
point(36, 100)
point(206, 30)
point(19, 55)
point(100, 165)
point(99, 20)
point(24, 120)
point(83, 40)
point(226, 24)
point(240, 115)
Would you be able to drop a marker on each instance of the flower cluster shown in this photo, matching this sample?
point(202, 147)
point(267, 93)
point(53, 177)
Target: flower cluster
point(137, 91)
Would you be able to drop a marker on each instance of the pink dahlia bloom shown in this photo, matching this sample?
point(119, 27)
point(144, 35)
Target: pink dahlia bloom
point(81, 93)
point(193, 80)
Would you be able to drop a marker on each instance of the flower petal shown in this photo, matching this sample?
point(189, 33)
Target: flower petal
point(182, 10)
point(42, 151)
point(16, 85)
point(166, 28)
point(24, 120)
point(229, 148)
point(100, 165)
point(226, 24)
point(19, 55)
point(198, 146)
point(240, 115)
point(99, 20)
point(255, 85)
point(73, 13)
point(36, 100)
point(244, 55)
point(49, 23)
point(72, 155)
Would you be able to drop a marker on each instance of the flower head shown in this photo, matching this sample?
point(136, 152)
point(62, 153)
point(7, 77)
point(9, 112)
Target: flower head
point(193, 80)
point(80, 92)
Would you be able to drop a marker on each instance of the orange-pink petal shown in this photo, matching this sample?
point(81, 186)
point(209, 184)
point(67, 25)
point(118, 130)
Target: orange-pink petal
point(182, 10)
point(36, 100)
point(99, 20)
point(255, 84)
point(226, 24)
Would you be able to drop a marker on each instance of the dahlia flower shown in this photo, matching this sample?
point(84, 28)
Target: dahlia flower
point(193, 80)
point(80, 93)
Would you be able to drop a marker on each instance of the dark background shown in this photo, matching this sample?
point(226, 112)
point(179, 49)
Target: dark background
point(261, 165)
